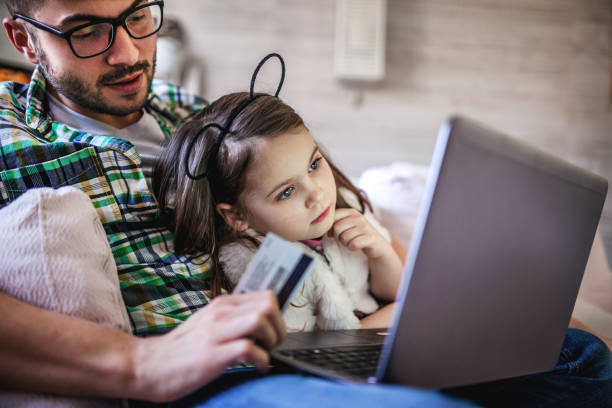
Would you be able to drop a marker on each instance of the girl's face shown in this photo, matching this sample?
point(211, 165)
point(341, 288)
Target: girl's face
point(290, 188)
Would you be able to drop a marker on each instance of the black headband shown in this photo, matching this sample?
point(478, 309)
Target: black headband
point(224, 130)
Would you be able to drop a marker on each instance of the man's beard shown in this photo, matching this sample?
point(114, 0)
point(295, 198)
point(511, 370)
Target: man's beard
point(91, 98)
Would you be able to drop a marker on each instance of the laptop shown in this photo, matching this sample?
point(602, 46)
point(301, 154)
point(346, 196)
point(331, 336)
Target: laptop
point(493, 271)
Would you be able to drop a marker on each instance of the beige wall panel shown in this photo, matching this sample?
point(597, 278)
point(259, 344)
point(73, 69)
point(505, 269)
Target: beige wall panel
point(536, 69)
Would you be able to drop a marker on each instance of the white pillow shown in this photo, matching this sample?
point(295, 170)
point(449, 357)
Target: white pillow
point(54, 255)
point(395, 192)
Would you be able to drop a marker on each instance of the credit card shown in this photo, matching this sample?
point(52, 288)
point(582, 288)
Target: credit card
point(278, 266)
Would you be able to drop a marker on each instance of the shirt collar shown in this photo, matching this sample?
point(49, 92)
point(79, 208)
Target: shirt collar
point(37, 117)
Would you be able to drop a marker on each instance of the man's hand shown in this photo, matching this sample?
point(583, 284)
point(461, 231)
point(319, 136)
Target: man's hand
point(231, 329)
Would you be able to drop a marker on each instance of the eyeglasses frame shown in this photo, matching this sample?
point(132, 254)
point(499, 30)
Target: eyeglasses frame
point(115, 22)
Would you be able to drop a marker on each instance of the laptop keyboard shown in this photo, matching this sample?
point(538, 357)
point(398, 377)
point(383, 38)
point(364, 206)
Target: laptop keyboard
point(358, 362)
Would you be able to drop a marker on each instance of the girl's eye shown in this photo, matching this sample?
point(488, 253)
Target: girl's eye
point(315, 164)
point(285, 194)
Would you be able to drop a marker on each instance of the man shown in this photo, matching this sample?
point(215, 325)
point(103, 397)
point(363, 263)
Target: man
point(103, 93)
point(91, 116)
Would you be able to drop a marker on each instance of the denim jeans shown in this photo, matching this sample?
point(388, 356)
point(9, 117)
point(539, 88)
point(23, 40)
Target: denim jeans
point(582, 378)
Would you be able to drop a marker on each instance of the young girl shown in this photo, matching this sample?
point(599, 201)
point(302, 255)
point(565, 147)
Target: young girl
point(259, 172)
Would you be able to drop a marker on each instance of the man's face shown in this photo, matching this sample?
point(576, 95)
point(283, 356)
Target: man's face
point(105, 87)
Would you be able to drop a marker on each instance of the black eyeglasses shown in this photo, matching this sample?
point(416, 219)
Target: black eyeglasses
point(95, 37)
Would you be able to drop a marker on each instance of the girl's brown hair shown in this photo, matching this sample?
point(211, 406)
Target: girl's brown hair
point(187, 205)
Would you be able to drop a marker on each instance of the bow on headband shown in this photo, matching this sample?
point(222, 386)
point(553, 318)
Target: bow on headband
point(224, 130)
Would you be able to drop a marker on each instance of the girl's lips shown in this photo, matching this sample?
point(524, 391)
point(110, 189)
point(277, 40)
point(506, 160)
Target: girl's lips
point(129, 85)
point(321, 217)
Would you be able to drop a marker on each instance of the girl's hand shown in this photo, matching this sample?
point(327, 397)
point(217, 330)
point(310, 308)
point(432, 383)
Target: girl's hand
point(353, 230)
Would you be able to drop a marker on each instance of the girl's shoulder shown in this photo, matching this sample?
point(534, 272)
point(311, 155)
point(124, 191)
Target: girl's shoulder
point(236, 255)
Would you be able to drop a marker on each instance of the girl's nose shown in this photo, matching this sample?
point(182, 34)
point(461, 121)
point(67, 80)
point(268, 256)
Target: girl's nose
point(315, 195)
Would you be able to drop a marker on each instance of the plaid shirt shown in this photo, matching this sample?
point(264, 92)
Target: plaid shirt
point(160, 289)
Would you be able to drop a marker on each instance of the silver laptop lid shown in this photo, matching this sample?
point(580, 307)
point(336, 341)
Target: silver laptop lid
point(495, 264)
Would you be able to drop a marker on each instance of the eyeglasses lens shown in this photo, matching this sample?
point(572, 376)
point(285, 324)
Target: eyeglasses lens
point(97, 37)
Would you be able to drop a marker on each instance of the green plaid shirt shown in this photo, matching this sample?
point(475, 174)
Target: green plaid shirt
point(160, 289)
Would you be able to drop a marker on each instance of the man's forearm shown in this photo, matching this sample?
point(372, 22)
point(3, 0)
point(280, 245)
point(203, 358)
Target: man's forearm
point(42, 351)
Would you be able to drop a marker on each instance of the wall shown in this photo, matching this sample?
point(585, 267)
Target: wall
point(537, 69)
